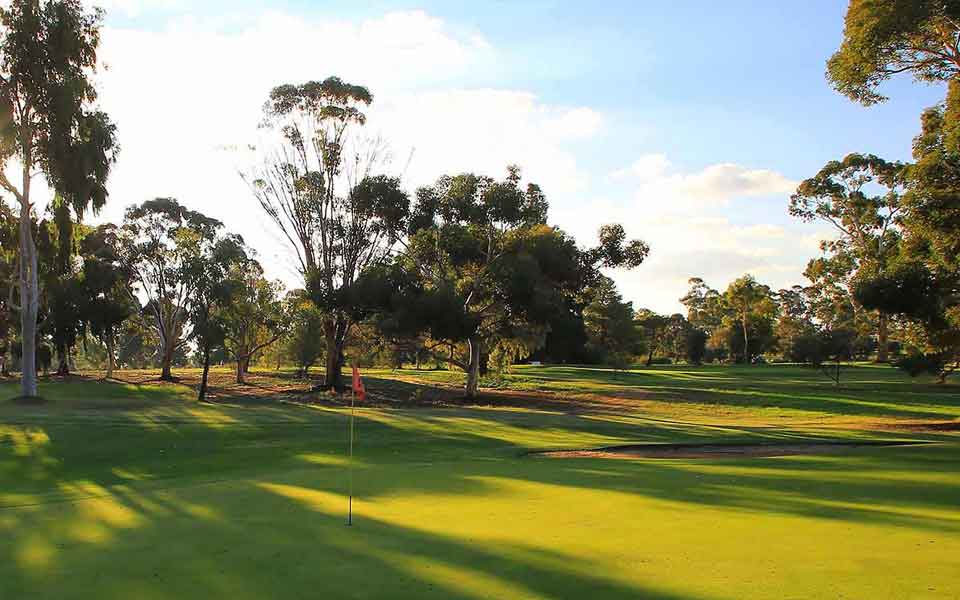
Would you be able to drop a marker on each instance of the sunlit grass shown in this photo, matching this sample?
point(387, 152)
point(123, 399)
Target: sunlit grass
point(119, 490)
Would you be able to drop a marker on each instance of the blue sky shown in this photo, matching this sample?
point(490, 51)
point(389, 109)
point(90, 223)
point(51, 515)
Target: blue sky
point(723, 105)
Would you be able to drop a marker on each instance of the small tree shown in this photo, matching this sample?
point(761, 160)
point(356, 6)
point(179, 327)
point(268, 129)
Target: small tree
point(306, 344)
point(609, 323)
point(254, 319)
point(211, 260)
point(107, 298)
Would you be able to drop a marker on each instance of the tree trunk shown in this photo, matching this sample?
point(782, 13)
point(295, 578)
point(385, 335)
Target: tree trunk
point(650, 357)
point(110, 357)
point(63, 360)
point(166, 360)
point(473, 369)
point(202, 395)
point(746, 343)
point(29, 299)
point(335, 333)
point(243, 364)
point(883, 329)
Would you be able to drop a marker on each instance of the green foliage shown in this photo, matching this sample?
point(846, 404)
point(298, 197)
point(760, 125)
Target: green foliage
point(483, 267)
point(609, 324)
point(695, 345)
point(166, 248)
point(305, 341)
point(882, 38)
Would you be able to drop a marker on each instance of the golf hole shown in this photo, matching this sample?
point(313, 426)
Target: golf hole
point(722, 450)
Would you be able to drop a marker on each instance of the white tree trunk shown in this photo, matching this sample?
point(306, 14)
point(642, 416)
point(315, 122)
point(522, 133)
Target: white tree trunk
point(29, 301)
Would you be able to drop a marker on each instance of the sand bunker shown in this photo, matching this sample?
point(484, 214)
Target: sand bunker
point(722, 450)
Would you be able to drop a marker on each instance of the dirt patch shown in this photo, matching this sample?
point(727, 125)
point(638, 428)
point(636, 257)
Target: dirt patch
point(719, 450)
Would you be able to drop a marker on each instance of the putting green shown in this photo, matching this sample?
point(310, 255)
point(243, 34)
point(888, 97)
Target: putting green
point(162, 498)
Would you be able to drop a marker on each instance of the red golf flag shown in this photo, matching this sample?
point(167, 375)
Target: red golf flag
point(358, 385)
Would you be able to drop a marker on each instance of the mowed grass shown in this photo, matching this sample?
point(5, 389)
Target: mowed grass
point(135, 491)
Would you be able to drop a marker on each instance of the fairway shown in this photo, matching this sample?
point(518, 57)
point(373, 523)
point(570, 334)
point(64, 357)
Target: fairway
point(135, 491)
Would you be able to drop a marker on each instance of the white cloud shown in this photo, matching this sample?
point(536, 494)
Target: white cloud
point(715, 184)
point(181, 94)
point(694, 223)
point(646, 168)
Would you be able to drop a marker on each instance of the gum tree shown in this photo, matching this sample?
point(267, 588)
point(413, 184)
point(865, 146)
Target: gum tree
point(48, 53)
point(860, 196)
point(318, 186)
point(883, 38)
point(480, 265)
point(158, 245)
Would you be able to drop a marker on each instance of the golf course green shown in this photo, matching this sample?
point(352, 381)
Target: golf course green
point(133, 490)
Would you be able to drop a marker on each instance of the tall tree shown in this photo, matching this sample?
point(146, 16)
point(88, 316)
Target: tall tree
point(882, 38)
point(48, 52)
point(318, 186)
point(159, 241)
point(860, 196)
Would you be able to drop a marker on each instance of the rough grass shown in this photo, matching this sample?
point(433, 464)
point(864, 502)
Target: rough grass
point(119, 490)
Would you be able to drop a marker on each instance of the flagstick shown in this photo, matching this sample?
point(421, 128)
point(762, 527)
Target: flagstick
point(350, 468)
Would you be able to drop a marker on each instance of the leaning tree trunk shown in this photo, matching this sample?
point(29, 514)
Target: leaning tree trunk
point(202, 395)
point(473, 369)
point(883, 329)
point(29, 300)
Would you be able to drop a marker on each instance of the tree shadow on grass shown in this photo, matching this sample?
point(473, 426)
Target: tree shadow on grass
point(263, 539)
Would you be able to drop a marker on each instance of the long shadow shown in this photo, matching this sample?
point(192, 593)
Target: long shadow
point(236, 502)
point(270, 540)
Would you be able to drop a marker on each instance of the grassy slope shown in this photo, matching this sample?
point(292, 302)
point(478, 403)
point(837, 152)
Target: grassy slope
point(161, 497)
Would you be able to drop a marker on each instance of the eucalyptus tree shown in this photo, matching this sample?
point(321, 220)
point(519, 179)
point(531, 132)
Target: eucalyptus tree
point(652, 328)
point(479, 265)
point(885, 38)
point(704, 306)
point(751, 309)
point(107, 301)
point(48, 53)
point(609, 323)
point(860, 197)
point(212, 269)
point(255, 318)
point(318, 186)
point(159, 243)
